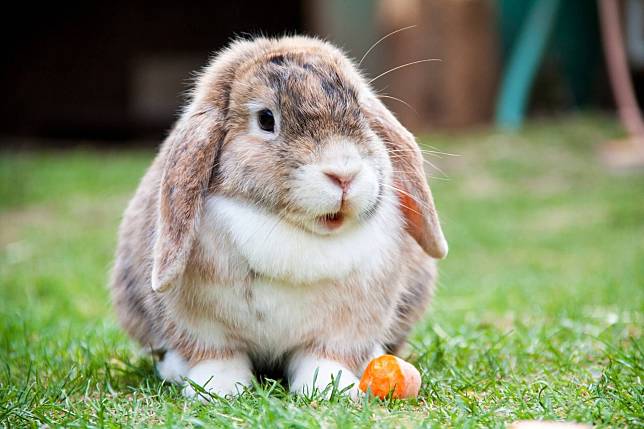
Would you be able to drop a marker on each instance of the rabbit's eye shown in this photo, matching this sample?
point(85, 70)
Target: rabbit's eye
point(266, 120)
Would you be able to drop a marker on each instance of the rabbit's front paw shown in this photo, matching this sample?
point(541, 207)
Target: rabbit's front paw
point(221, 377)
point(309, 374)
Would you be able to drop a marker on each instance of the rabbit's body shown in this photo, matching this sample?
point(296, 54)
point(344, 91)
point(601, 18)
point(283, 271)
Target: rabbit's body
point(221, 269)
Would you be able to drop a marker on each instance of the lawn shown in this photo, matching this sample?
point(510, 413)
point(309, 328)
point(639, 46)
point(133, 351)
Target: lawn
point(538, 315)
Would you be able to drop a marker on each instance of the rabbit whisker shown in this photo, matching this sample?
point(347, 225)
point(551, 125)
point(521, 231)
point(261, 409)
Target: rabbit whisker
point(381, 40)
point(402, 101)
point(427, 60)
point(407, 194)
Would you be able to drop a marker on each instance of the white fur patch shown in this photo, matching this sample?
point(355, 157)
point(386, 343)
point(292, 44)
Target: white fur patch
point(308, 373)
point(220, 376)
point(173, 367)
point(281, 250)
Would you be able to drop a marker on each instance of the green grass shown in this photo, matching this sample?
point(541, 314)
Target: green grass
point(538, 315)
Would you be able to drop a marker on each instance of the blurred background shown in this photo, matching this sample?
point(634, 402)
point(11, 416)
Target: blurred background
point(111, 73)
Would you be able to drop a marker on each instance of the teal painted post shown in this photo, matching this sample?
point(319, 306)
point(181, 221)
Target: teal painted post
point(524, 63)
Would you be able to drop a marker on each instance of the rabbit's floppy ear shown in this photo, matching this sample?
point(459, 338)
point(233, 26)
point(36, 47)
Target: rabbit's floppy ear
point(189, 157)
point(191, 152)
point(415, 197)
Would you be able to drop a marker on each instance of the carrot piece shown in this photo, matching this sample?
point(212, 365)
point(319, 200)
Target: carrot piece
point(388, 374)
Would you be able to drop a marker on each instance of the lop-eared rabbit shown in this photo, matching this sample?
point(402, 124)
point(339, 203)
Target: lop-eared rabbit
point(286, 222)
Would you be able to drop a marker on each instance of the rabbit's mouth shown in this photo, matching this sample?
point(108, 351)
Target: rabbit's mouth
point(331, 221)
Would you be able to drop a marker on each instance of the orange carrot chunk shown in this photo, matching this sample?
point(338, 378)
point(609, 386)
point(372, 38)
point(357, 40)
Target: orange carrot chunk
point(388, 374)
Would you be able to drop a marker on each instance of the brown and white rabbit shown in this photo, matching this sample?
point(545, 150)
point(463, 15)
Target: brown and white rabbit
point(285, 222)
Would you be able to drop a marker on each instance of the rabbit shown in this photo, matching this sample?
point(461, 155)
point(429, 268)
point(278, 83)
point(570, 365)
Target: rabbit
point(286, 222)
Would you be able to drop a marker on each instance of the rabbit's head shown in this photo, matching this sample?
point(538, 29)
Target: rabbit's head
point(289, 126)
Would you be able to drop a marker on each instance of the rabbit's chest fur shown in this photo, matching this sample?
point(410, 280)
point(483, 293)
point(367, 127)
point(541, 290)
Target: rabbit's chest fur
point(272, 287)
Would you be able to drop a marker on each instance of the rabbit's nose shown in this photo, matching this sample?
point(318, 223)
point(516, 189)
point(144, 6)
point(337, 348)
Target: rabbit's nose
point(342, 178)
